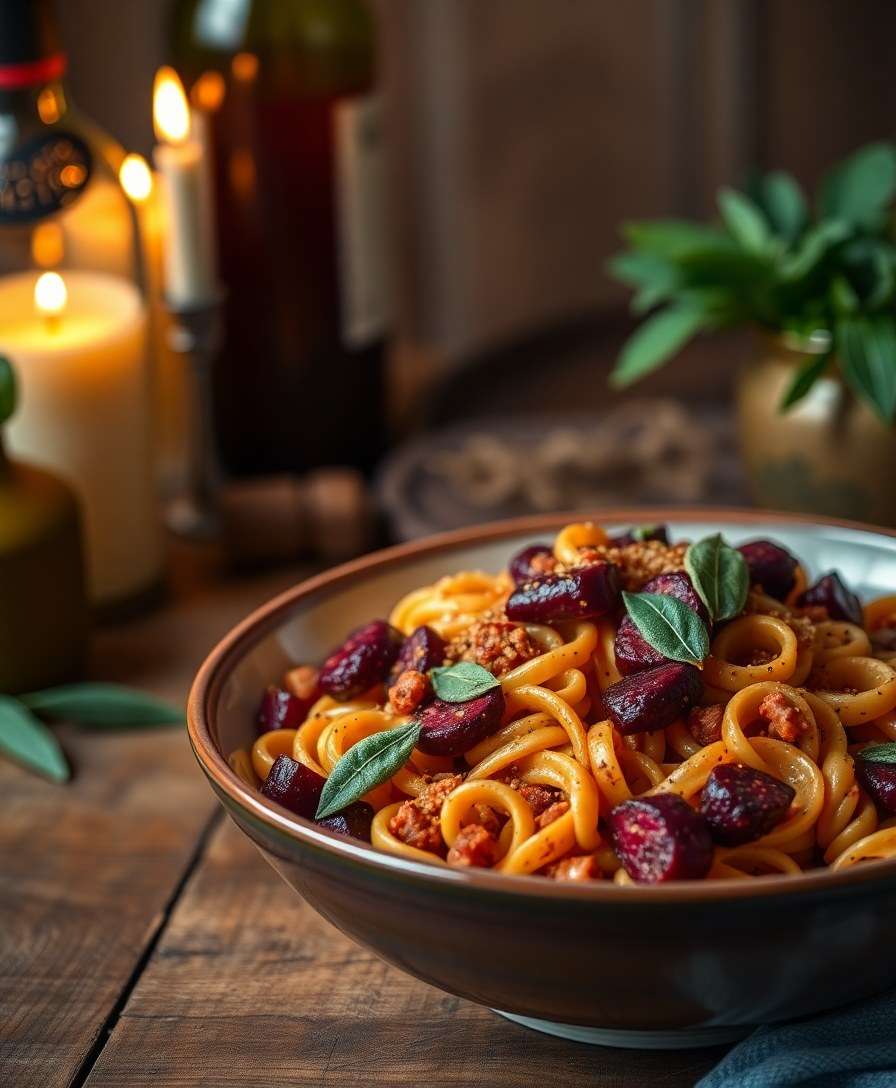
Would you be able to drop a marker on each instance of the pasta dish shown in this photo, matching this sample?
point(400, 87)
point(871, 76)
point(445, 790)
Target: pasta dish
point(608, 707)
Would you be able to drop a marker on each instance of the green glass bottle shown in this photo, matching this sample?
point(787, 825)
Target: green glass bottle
point(289, 89)
point(43, 599)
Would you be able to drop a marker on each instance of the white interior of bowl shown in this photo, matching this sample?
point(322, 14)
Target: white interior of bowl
point(866, 560)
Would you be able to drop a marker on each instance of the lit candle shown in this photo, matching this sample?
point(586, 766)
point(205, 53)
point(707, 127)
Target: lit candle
point(190, 279)
point(168, 374)
point(79, 347)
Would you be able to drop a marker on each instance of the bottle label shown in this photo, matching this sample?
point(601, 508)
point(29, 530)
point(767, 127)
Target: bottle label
point(43, 176)
point(361, 220)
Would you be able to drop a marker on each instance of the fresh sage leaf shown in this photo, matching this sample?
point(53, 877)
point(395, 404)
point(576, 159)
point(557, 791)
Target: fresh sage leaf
point(659, 337)
point(803, 380)
point(108, 706)
point(365, 765)
point(29, 742)
point(670, 627)
point(745, 222)
point(867, 349)
point(461, 682)
point(719, 574)
point(860, 189)
point(784, 204)
point(879, 753)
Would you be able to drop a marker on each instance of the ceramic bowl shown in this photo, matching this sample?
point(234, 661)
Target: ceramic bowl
point(681, 964)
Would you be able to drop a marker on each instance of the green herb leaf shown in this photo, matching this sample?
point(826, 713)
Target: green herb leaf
point(783, 203)
point(860, 189)
point(642, 532)
point(654, 277)
point(867, 349)
point(674, 238)
point(670, 627)
point(365, 765)
point(29, 742)
point(461, 682)
point(803, 380)
point(745, 222)
point(659, 337)
point(815, 245)
point(879, 753)
point(719, 573)
point(108, 705)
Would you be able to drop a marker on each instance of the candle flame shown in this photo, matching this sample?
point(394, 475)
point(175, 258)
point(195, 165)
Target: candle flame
point(170, 112)
point(208, 92)
point(136, 178)
point(50, 294)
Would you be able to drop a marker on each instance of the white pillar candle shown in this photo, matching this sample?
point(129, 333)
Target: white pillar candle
point(85, 412)
point(168, 370)
point(190, 279)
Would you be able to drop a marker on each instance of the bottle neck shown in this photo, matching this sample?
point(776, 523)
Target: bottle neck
point(31, 73)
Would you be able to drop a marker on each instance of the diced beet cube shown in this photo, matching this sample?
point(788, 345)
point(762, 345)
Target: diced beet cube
point(520, 566)
point(770, 566)
point(661, 838)
point(364, 659)
point(280, 710)
point(831, 592)
point(354, 820)
point(576, 594)
point(877, 779)
point(741, 804)
point(654, 698)
point(294, 786)
point(423, 649)
point(449, 729)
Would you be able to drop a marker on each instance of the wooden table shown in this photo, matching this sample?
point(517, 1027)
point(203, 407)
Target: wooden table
point(143, 941)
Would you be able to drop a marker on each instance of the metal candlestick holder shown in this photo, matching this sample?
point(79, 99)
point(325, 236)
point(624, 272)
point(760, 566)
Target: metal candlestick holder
point(196, 334)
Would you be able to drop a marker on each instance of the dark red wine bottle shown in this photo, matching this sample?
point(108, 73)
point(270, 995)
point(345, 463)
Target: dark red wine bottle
point(298, 167)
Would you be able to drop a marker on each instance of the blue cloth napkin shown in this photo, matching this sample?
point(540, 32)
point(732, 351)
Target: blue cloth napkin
point(852, 1047)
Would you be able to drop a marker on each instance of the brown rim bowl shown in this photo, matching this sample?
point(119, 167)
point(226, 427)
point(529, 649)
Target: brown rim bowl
point(678, 961)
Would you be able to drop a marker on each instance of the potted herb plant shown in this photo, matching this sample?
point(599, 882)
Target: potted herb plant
point(816, 408)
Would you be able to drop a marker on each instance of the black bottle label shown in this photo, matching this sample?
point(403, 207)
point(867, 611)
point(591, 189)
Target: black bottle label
point(43, 176)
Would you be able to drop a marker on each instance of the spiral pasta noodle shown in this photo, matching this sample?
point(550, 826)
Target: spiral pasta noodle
point(791, 696)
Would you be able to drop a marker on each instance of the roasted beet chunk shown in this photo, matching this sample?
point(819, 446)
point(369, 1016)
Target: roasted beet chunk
point(770, 566)
point(531, 562)
point(354, 820)
point(449, 729)
point(877, 779)
point(633, 652)
point(294, 786)
point(578, 593)
point(741, 805)
point(640, 533)
point(280, 710)
point(831, 593)
point(421, 651)
point(654, 698)
point(361, 661)
point(661, 838)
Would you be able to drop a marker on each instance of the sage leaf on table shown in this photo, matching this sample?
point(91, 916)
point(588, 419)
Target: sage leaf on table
point(365, 765)
point(879, 753)
point(719, 574)
point(670, 627)
point(461, 682)
point(109, 706)
point(29, 742)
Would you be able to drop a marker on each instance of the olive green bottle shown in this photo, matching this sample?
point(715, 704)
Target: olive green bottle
point(43, 601)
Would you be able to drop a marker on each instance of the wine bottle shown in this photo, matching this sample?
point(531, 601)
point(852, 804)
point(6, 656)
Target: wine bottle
point(287, 91)
point(85, 411)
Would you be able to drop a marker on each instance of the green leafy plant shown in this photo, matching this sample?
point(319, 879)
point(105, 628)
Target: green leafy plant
point(824, 276)
point(27, 740)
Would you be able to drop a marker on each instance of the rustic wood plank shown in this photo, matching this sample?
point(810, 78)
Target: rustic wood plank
point(248, 986)
point(88, 869)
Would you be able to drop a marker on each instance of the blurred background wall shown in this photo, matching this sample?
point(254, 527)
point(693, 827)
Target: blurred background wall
point(640, 109)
